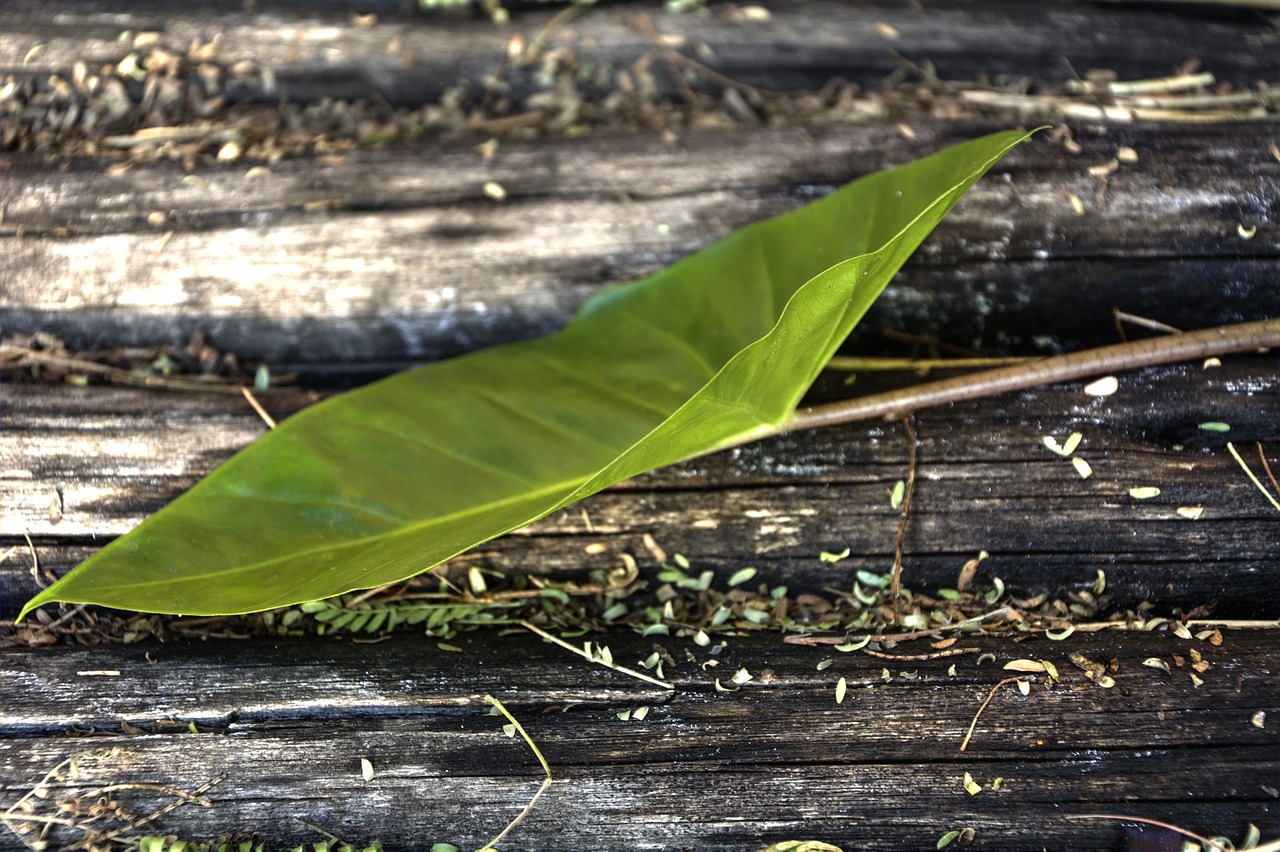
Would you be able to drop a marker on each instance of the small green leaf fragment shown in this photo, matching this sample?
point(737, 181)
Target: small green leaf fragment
point(262, 379)
point(624, 715)
point(1073, 441)
point(855, 645)
point(897, 494)
point(823, 665)
point(1157, 663)
point(741, 576)
point(950, 595)
point(947, 839)
point(1051, 669)
point(1215, 426)
point(875, 581)
point(1059, 635)
point(842, 686)
point(614, 612)
point(558, 595)
point(1144, 492)
point(640, 713)
point(827, 556)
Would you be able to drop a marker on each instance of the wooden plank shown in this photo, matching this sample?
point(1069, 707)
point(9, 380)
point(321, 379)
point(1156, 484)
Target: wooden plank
point(778, 759)
point(318, 51)
point(986, 483)
point(416, 264)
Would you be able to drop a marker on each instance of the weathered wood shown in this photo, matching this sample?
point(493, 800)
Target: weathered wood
point(986, 483)
point(778, 759)
point(353, 265)
point(416, 264)
point(321, 52)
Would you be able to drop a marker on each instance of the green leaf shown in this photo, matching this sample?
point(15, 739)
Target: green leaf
point(388, 481)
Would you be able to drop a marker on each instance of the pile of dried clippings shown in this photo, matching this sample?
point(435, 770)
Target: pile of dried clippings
point(187, 103)
point(669, 599)
point(196, 365)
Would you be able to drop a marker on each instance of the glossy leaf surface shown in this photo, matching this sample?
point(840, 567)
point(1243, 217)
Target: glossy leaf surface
point(385, 482)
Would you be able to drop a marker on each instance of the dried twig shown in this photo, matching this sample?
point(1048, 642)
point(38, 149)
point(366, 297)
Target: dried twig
point(1191, 345)
point(1206, 841)
point(645, 24)
point(992, 694)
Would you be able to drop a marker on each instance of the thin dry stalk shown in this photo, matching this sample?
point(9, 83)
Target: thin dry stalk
point(992, 694)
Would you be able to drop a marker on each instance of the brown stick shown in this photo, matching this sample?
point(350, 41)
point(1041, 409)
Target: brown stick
point(1188, 346)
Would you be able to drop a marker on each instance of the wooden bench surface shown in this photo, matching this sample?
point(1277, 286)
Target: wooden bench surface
point(341, 267)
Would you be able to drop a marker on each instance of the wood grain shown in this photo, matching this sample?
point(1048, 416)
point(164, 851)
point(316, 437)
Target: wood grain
point(416, 264)
point(777, 759)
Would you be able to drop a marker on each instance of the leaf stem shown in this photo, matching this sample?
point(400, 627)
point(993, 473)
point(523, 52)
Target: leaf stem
point(1192, 345)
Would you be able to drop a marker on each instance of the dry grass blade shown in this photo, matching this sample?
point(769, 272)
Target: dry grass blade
point(1252, 476)
point(595, 658)
point(490, 846)
point(990, 695)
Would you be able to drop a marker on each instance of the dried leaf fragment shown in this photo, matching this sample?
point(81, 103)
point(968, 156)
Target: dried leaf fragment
point(972, 787)
point(1259, 719)
point(1064, 449)
point(1034, 666)
point(1095, 672)
point(1157, 663)
point(1144, 492)
point(1191, 513)
point(1082, 467)
point(1105, 386)
point(366, 769)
